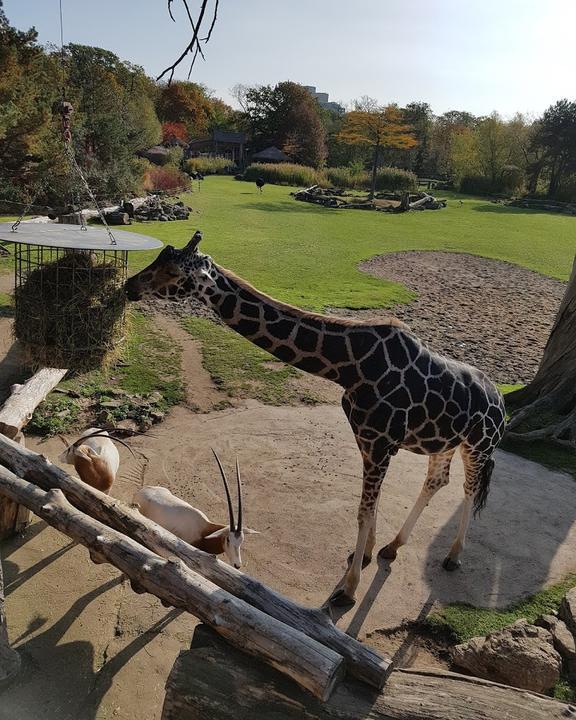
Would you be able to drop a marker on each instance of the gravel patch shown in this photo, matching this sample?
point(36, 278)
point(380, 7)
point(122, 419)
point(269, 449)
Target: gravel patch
point(491, 314)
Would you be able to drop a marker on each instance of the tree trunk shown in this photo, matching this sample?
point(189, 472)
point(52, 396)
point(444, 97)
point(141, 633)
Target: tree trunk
point(215, 681)
point(310, 664)
point(374, 172)
point(362, 661)
point(546, 408)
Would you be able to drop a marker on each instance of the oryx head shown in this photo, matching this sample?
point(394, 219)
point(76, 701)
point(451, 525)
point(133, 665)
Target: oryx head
point(233, 534)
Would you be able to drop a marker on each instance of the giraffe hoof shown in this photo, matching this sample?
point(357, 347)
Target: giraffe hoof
point(339, 598)
point(366, 560)
point(450, 564)
point(388, 552)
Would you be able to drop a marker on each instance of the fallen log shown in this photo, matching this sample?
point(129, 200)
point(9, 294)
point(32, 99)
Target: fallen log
point(18, 408)
point(362, 661)
point(14, 414)
point(310, 664)
point(205, 678)
point(117, 218)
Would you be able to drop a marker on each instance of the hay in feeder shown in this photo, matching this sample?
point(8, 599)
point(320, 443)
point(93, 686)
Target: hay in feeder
point(69, 312)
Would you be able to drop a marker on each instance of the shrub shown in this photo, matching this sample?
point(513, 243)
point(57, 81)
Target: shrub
point(479, 185)
point(390, 178)
point(285, 174)
point(175, 156)
point(210, 165)
point(387, 178)
point(167, 178)
point(346, 177)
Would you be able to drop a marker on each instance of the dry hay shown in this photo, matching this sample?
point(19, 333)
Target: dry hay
point(70, 312)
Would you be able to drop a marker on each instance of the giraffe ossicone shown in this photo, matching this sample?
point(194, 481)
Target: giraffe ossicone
point(397, 393)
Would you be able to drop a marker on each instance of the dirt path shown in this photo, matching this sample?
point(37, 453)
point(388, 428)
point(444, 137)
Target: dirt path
point(93, 649)
point(488, 313)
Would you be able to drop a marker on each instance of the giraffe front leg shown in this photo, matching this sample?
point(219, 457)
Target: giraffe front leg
point(345, 593)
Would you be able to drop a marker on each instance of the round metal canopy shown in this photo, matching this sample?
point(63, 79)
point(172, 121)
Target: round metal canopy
point(72, 237)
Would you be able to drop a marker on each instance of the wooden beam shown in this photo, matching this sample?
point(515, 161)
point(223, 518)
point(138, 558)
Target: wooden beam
point(14, 415)
point(9, 658)
point(310, 664)
point(362, 661)
point(213, 680)
point(18, 408)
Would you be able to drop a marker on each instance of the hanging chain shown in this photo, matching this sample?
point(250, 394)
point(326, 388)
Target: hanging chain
point(27, 207)
point(66, 111)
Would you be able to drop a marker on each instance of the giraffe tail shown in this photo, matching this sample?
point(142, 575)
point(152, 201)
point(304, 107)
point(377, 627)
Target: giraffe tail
point(484, 488)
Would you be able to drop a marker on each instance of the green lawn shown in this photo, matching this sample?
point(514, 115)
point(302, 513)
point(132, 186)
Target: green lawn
point(308, 255)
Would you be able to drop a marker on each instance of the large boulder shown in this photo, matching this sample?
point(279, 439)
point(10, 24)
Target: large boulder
point(521, 655)
point(568, 610)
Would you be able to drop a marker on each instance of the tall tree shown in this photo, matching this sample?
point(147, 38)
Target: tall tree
point(420, 117)
point(28, 86)
point(556, 139)
point(286, 116)
point(377, 129)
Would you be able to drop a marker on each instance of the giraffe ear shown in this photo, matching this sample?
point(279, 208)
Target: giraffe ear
point(193, 244)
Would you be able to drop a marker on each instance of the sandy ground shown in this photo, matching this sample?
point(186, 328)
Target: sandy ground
point(94, 650)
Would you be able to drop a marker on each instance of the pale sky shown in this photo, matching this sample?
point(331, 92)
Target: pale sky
point(475, 55)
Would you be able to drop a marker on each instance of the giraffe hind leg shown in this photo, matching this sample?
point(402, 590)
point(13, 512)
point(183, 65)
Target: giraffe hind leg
point(477, 470)
point(437, 477)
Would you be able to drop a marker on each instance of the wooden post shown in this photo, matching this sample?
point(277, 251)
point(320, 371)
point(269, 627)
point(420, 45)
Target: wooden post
point(9, 659)
point(213, 680)
point(362, 661)
point(312, 665)
point(14, 415)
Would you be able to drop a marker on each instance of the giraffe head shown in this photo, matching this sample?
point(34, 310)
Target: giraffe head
point(174, 275)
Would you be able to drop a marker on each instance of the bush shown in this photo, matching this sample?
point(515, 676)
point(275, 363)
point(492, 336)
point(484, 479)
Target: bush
point(479, 185)
point(167, 178)
point(390, 178)
point(345, 177)
point(211, 165)
point(387, 178)
point(175, 156)
point(285, 174)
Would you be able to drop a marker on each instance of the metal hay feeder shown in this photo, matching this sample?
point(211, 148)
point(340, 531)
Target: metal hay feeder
point(69, 298)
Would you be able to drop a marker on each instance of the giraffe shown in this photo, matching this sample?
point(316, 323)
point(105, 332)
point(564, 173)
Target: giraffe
point(397, 393)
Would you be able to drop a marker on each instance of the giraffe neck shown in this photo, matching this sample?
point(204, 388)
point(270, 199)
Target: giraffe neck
point(321, 345)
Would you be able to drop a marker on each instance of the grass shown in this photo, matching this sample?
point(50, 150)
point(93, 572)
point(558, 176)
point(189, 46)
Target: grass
point(243, 370)
point(308, 255)
point(463, 622)
point(141, 386)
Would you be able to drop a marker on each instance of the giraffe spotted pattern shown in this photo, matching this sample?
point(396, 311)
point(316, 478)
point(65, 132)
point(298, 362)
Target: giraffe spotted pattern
point(397, 393)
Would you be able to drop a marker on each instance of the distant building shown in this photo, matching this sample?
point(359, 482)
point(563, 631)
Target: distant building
point(323, 99)
point(270, 155)
point(220, 143)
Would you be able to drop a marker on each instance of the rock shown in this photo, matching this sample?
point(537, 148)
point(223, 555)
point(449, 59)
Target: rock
point(521, 655)
point(563, 641)
point(568, 610)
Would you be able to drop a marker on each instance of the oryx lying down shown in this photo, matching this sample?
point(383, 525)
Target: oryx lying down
point(194, 526)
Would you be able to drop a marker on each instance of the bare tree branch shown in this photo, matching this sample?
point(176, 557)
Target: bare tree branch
point(214, 18)
point(194, 44)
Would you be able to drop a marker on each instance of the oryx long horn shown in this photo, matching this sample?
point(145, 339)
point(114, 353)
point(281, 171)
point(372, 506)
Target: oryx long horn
point(228, 498)
point(101, 433)
point(239, 528)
